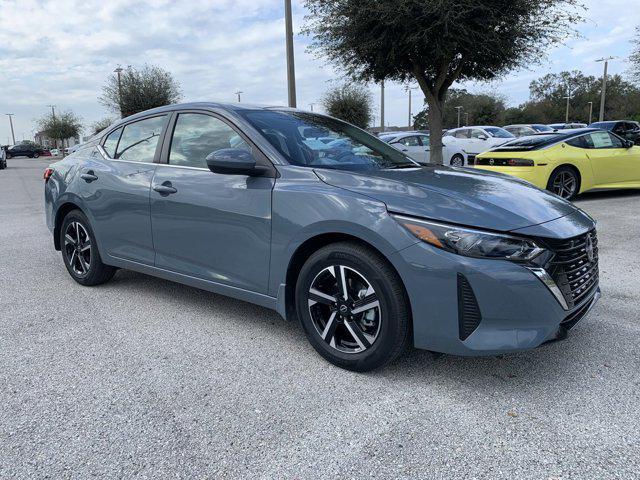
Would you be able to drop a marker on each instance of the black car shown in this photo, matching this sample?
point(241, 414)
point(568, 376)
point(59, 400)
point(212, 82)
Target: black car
point(627, 129)
point(24, 151)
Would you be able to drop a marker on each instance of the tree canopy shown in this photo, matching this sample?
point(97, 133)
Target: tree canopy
point(142, 89)
point(61, 126)
point(100, 125)
point(634, 58)
point(351, 103)
point(477, 109)
point(437, 42)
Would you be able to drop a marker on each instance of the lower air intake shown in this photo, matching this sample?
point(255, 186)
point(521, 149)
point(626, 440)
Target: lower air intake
point(469, 316)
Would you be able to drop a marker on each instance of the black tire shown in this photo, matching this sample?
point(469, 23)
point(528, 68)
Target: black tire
point(457, 160)
point(359, 341)
point(564, 182)
point(87, 273)
point(36, 155)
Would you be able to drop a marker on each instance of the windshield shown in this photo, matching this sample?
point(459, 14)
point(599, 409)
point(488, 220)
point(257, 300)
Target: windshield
point(311, 140)
point(603, 125)
point(498, 132)
point(541, 128)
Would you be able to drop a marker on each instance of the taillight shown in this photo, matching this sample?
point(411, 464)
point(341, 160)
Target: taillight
point(47, 174)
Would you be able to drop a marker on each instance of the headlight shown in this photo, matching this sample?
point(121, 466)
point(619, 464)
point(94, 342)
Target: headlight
point(470, 242)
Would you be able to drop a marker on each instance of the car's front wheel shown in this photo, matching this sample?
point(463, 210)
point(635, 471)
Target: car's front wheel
point(80, 251)
point(457, 160)
point(353, 307)
point(564, 182)
point(36, 155)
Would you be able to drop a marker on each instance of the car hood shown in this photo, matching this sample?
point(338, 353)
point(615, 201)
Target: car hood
point(456, 195)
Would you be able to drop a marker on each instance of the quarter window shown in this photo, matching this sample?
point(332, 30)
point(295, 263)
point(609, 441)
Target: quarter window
point(139, 140)
point(111, 142)
point(197, 135)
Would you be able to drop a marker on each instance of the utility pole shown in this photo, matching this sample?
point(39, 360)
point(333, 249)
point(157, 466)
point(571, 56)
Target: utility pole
point(382, 105)
point(53, 111)
point(13, 136)
point(566, 118)
point(408, 89)
point(291, 72)
point(458, 108)
point(604, 85)
point(238, 92)
point(590, 112)
point(466, 116)
point(311, 106)
point(118, 71)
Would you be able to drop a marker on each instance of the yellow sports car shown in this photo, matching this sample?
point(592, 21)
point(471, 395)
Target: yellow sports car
point(568, 162)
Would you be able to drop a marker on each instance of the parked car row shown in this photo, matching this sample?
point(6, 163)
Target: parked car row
point(416, 145)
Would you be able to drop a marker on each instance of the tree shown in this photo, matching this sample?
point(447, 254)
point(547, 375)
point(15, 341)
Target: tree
point(61, 126)
point(140, 90)
point(634, 58)
point(436, 42)
point(478, 108)
point(351, 103)
point(100, 125)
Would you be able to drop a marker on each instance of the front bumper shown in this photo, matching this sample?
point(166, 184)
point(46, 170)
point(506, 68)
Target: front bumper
point(518, 311)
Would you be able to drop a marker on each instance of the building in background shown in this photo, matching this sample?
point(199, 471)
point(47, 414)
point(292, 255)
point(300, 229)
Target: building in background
point(42, 139)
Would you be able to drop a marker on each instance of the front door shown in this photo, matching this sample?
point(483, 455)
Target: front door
point(413, 148)
point(611, 161)
point(115, 181)
point(211, 226)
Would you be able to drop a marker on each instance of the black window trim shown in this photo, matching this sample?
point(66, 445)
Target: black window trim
point(163, 157)
point(122, 126)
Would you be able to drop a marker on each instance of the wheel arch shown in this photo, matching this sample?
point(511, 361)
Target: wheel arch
point(62, 212)
point(571, 166)
point(311, 245)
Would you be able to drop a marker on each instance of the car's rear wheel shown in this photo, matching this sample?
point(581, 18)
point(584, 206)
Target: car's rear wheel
point(564, 182)
point(353, 307)
point(457, 160)
point(80, 251)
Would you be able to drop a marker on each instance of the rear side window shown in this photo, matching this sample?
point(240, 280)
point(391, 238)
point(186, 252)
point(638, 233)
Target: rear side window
point(197, 135)
point(139, 140)
point(111, 142)
point(461, 133)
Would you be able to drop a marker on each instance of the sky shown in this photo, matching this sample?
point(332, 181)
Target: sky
point(62, 52)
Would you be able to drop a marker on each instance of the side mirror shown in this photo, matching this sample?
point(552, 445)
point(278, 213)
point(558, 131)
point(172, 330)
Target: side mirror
point(233, 161)
point(482, 137)
point(628, 143)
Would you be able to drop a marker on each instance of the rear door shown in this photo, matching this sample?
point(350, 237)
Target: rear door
point(212, 226)
point(115, 182)
point(612, 163)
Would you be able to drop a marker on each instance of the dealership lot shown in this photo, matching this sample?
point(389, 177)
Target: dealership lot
point(146, 377)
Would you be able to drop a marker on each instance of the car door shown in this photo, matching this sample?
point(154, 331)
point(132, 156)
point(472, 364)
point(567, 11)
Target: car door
point(412, 147)
point(462, 138)
point(114, 184)
point(215, 227)
point(611, 161)
point(424, 141)
point(479, 141)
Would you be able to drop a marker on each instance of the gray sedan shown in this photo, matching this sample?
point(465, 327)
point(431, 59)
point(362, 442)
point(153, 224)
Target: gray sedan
point(369, 250)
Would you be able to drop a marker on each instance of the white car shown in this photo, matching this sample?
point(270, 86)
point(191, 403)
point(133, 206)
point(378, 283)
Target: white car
point(477, 139)
point(55, 152)
point(416, 146)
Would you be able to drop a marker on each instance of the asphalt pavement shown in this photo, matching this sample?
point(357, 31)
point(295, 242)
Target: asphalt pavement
point(146, 378)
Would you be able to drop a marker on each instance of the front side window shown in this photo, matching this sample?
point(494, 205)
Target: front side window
point(605, 140)
point(498, 132)
point(409, 141)
point(196, 135)
point(475, 133)
point(351, 149)
point(111, 142)
point(139, 140)
point(425, 140)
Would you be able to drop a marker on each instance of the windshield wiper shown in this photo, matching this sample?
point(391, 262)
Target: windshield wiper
point(402, 165)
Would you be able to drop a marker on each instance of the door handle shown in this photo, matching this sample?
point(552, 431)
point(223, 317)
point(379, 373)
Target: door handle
point(89, 176)
point(405, 149)
point(165, 188)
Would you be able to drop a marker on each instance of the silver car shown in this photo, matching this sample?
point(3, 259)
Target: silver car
point(416, 145)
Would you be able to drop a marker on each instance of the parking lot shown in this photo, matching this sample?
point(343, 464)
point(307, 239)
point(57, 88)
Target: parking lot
point(144, 377)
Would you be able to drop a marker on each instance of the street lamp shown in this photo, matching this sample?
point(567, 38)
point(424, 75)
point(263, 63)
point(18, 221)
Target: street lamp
point(590, 111)
point(458, 108)
point(291, 73)
point(408, 89)
point(566, 118)
point(604, 85)
point(238, 92)
point(13, 136)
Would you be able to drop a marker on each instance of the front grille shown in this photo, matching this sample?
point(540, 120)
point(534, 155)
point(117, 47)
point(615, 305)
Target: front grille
point(469, 316)
point(575, 267)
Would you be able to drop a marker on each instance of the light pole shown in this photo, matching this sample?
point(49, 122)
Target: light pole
point(382, 106)
point(291, 73)
point(311, 106)
point(118, 71)
point(53, 111)
point(466, 116)
point(458, 108)
point(238, 92)
point(604, 85)
point(13, 136)
point(590, 111)
point(566, 118)
point(408, 89)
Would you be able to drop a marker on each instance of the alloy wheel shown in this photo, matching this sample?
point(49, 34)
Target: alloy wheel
point(564, 185)
point(345, 309)
point(77, 248)
point(457, 161)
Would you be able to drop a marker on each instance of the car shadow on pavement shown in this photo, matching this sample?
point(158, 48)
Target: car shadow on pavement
point(606, 194)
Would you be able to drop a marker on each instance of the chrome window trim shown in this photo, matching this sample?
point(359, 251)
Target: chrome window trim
point(545, 278)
